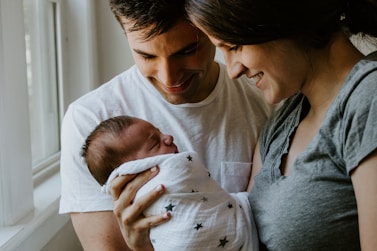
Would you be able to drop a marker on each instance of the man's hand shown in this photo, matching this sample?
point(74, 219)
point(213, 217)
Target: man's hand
point(129, 213)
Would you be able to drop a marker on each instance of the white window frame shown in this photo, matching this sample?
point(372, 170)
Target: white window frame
point(29, 202)
point(44, 54)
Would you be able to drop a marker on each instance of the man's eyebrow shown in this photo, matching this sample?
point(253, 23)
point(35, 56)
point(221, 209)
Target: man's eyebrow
point(180, 51)
point(187, 47)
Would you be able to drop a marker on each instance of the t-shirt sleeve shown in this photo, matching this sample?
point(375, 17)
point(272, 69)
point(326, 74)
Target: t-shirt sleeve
point(79, 190)
point(360, 126)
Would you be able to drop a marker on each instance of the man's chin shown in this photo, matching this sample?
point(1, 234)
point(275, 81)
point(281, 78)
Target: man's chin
point(174, 100)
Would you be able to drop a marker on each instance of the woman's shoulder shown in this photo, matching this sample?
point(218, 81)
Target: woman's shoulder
point(360, 86)
point(365, 68)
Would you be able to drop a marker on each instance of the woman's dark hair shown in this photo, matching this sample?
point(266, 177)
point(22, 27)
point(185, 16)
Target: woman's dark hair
point(155, 16)
point(246, 22)
point(101, 150)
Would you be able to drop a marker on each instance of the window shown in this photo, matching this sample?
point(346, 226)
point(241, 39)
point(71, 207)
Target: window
point(42, 57)
point(39, 77)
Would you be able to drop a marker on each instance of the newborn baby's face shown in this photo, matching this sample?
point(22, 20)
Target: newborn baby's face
point(145, 140)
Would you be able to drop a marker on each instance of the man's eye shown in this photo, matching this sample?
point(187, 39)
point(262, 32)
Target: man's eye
point(190, 51)
point(146, 57)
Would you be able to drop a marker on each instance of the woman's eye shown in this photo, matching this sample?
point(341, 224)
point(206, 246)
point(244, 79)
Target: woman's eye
point(234, 48)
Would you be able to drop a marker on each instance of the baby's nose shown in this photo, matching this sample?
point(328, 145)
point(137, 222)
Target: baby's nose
point(168, 139)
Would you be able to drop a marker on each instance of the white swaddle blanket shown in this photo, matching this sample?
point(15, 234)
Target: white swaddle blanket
point(204, 216)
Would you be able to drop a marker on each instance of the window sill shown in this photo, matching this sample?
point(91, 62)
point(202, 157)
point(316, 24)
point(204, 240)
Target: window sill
point(35, 230)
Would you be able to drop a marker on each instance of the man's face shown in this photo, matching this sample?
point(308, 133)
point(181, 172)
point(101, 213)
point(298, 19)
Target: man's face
point(178, 63)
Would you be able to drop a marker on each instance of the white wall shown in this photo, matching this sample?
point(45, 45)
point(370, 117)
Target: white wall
point(365, 44)
point(64, 240)
point(114, 55)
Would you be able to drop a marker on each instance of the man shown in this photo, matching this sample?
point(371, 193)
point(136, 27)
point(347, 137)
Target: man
point(176, 85)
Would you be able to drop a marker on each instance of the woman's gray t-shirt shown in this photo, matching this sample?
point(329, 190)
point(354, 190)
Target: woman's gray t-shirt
point(314, 208)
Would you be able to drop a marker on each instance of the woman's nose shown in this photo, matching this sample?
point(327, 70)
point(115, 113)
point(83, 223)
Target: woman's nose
point(235, 69)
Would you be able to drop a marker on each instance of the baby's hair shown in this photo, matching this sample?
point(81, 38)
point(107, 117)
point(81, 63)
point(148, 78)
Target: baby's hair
point(102, 150)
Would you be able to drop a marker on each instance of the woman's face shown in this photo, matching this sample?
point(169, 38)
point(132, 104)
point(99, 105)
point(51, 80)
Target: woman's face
point(279, 68)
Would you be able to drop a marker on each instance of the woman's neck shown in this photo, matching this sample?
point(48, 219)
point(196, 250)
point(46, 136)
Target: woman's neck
point(331, 66)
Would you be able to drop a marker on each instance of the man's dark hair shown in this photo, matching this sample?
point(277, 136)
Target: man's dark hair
point(155, 16)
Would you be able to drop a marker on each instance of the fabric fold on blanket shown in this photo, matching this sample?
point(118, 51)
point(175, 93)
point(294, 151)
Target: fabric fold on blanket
point(204, 216)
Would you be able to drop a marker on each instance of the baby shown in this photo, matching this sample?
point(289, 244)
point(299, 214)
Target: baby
point(205, 217)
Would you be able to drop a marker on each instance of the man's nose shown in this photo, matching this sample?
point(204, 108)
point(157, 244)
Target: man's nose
point(168, 72)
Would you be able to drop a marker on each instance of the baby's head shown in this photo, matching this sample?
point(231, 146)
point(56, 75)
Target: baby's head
point(121, 139)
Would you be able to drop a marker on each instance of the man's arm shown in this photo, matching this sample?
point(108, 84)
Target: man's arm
point(256, 166)
point(98, 231)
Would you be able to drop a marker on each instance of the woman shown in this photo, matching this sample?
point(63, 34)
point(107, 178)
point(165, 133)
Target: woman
point(318, 184)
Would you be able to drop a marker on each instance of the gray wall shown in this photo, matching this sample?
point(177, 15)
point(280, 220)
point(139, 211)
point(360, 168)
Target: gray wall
point(64, 240)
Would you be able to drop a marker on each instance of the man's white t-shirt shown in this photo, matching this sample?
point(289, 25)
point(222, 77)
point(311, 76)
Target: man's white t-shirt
point(223, 129)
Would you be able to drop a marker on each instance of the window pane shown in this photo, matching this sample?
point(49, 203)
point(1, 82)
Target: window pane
point(41, 56)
